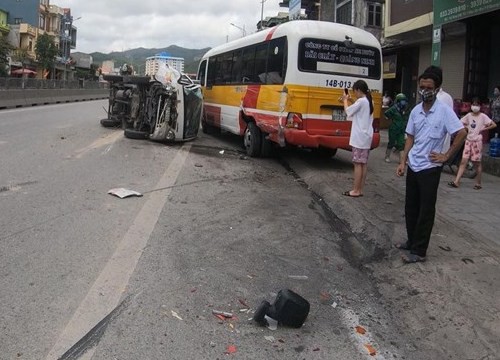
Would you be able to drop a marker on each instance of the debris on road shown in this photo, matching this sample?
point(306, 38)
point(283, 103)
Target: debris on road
point(175, 315)
point(298, 277)
point(231, 349)
point(123, 193)
point(222, 313)
point(360, 330)
point(288, 309)
point(371, 350)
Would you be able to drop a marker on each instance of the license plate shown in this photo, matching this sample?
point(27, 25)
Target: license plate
point(339, 115)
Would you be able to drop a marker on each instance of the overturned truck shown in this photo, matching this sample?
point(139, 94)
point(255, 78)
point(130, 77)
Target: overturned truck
point(165, 107)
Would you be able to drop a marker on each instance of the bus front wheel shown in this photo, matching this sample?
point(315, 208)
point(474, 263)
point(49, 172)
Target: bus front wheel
point(252, 140)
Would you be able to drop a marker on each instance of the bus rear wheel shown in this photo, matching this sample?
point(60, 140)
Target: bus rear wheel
point(252, 140)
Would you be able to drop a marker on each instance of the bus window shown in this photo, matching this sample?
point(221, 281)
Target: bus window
point(212, 63)
point(336, 57)
point(248, 71)
point(202, 72)
point(276, 64)
point(260, 62)
point(237, 66)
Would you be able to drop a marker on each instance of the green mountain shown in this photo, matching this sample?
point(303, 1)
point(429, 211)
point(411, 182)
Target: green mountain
point(136, 57)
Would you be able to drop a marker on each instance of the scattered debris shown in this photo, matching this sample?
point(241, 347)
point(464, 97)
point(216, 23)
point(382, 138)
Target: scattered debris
point(244, 303)
point(175, 315)
point(231, 349)
point(212, 344)
point(324, 297)
point(271, 323)
point(198, 165)
point(371, 350)
point(269, 338)
point(123, 193)
point(221, 152)
point(444, 248)
point(298, 277)
point(288, 309)
point(316, 349)
point(467, 261)
point(243, 157)
point(360, 330)
point(334, 305)
point(222, 313)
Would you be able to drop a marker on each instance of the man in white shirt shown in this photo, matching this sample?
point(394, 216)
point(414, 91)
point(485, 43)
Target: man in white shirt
point(442, 96)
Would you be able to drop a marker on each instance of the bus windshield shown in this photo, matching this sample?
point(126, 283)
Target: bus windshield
point(339, 57)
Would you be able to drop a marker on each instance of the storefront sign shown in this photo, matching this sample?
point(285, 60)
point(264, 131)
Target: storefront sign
point(390, 66)
point(446, 11)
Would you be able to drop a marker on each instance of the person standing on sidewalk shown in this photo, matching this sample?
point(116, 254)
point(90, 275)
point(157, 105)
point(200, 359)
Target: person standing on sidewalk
point(428, 124)
point(399, 117)
point(475, 122)
point(360, 114)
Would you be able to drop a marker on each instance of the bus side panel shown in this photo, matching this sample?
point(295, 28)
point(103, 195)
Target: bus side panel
point(222, 105)
point(264, 108)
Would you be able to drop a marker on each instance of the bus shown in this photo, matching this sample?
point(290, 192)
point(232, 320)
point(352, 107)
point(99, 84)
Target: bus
point(283, 85)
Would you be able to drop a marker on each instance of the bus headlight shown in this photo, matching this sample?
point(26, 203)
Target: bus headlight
point(294, 120)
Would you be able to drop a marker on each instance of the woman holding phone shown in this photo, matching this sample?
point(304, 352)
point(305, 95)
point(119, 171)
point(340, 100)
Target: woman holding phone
point(360, 114)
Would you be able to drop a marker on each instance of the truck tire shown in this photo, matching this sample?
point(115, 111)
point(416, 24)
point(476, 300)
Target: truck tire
point(107, 123)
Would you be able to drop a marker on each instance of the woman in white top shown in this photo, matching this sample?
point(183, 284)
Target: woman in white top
point(360, 113)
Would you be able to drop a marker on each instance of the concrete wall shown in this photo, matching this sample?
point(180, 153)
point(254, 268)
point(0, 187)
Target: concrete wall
point(33, 97)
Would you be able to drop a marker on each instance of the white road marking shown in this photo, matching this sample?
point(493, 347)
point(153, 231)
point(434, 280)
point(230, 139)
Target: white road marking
point(107, 290)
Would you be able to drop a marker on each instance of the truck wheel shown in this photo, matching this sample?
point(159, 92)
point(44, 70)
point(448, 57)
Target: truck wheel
point(110, 123)
point(136, 134)
point(252, 140)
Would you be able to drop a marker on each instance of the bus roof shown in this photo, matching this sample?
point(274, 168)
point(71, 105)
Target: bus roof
point(298, 29)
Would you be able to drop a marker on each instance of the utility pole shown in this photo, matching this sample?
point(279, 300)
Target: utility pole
point(262, 13)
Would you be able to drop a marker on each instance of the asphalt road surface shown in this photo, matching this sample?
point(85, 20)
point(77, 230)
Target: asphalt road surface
point(84, 274)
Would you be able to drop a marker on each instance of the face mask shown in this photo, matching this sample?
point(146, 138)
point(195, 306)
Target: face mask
point(401, 104)
point(475, 108)
point(427, 95)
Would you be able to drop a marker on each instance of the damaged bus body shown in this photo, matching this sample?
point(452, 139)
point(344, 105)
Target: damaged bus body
point(283, 85)
point(167, 107)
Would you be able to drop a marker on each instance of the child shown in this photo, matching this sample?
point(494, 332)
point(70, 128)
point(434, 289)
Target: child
point(475, 122)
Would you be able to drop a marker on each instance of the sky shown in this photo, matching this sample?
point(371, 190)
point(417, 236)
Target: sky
point(107, 26)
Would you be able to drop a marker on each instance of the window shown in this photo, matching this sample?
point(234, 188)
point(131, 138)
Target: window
point(375, 14)
point(343, 12)
point(201, 72)
point(41, 24)
point(18, 21)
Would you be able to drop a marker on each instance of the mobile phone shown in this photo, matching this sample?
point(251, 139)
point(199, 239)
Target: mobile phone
point(346, 91)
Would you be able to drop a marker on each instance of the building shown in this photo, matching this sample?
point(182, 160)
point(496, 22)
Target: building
point(29, 19)
point(459, 35)
point(153, 63)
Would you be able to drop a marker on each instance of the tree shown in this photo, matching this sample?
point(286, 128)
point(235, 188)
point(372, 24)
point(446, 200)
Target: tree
point(46, 51)
point(5, 50)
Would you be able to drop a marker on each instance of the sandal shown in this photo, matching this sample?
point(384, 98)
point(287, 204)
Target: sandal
point(412, 258)
point(452, 184)
point(402, 246)
point(477, 187)
point(348, 193)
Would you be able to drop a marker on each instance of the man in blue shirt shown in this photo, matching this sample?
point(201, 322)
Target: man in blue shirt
point(427, 127)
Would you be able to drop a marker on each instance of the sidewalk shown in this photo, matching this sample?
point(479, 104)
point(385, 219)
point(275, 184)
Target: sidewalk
point(448, 307)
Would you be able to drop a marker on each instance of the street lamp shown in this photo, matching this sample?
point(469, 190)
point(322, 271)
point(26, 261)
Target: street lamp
point(243, 31)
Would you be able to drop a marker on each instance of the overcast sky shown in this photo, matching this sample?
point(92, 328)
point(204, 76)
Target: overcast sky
point(108, 26)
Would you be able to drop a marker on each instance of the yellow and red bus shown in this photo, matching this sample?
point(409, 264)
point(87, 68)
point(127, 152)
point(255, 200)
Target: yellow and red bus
point(283, 85)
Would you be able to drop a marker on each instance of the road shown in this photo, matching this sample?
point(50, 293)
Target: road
point(84, 274)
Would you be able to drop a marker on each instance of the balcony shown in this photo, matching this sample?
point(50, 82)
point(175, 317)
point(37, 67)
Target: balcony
point(27, 29)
